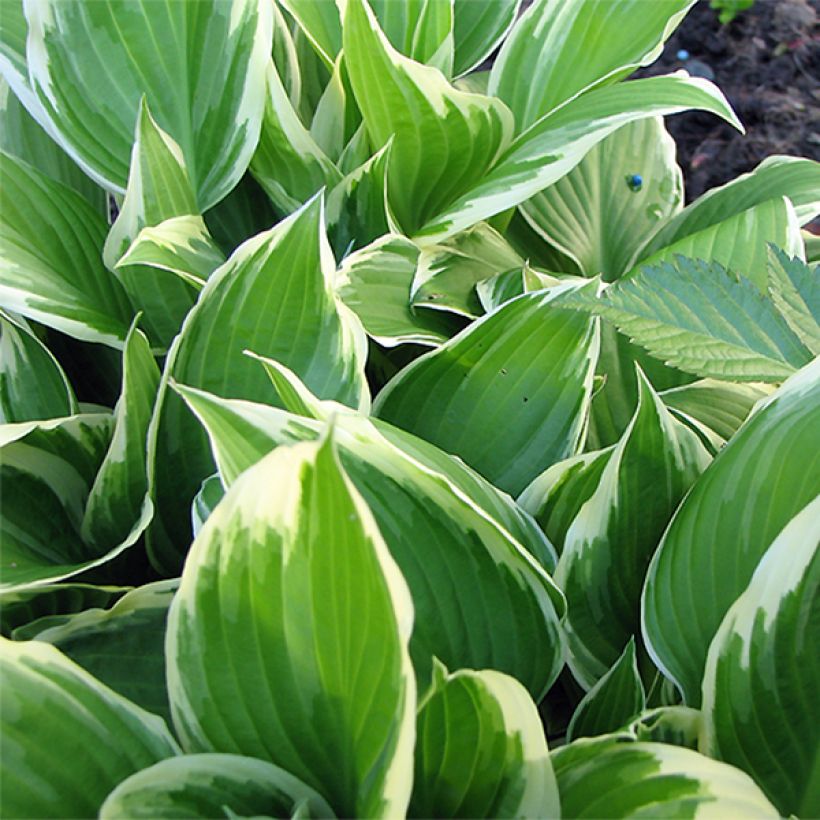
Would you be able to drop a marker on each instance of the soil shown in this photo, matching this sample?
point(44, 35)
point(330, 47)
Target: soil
point(767, 63)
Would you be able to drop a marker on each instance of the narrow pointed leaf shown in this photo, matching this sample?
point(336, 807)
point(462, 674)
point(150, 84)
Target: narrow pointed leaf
point(209, 785)
point(469, 575)
point(537, 363)
point(610, 541)
point(603, 779)
point(568, 47)
point(33, 386)
point(91, 64)
point(481, 750)
point(42, 774)
point(599, 214)
point(713, 545)
point(765, 722)
point(50, 267)
point(478, 27)
point(293, 546)
point(557, 142)
point(610, 704)
point(274, 296)
point(444, 140)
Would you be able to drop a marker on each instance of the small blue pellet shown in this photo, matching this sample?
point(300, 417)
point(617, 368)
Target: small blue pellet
point(635, 182)
point(683, 55)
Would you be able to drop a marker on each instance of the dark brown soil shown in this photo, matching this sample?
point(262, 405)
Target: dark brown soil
point(767, 62)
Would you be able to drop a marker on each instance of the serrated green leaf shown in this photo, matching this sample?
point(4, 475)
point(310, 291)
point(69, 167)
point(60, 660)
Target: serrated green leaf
point(444, 140)
point(481, 751)
point(43, 775)
point(602, 778)
point(616, 698)
point(375, 283)
point(766, 473)
point(596, 214)
point(212, 785)
point(90, 65)
point(792, 177)
point(565, 48)
point(610, 541)
point(122, 647)
point(118, 499)
point(762, 675)
point(557, 142)
point(50, 266)
point(181, 245)
point(795, 290)
point(33, 386)
point(280, 284)
point(537, 363)
point(465, 560)
point(703, 319)
point(293, 546)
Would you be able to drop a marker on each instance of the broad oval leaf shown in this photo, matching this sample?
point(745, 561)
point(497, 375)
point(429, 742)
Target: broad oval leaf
point(766, 473)
point(762, 676)
point(276, 583)
point(444, 140)
point(535, 360)
point(200, 66)
point(274, 295)
point(481, 599)
point(606, 779)
point(481, 750)
point(616, 698)
point(92, 740)
point(33, 385)
point(610, 541)
point(212, 785)
point(51, 241)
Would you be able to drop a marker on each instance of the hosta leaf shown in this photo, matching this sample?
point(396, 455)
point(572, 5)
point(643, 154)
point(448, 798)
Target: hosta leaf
point(205, 501)
point(481, 751)
point(603, 779)
point(677, 725)
point(375, 283)
point(478, 27)
point(122, 647)
point(798, 179)
point(91, 63)
point(498, 289)
point(721, 406)
point(598, 214)
point(118, 499)
point(739, 242)
point(464, 559)
point(92, 740)
point(23, 137)
point(276, 583)
point(33, 386)
point(288, 163)
point(337, 117)
point(319, 20)
point(444, 140)
point(158, 189)
point(610, 541)
point(564, 48)
point(274, 295)
point(557, 142)
point(50, 266)
point(211, 785)
point(181, 246)
point(704, 319)
point(537, 363)
point(448, 274)
point(795, 289)
point(52, 604)
point(13, 32)
point(47, 469)
point(762, 673)
point(714, 543)
point(616, 698)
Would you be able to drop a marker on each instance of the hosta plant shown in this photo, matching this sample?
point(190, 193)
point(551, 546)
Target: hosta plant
point(381, 435)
